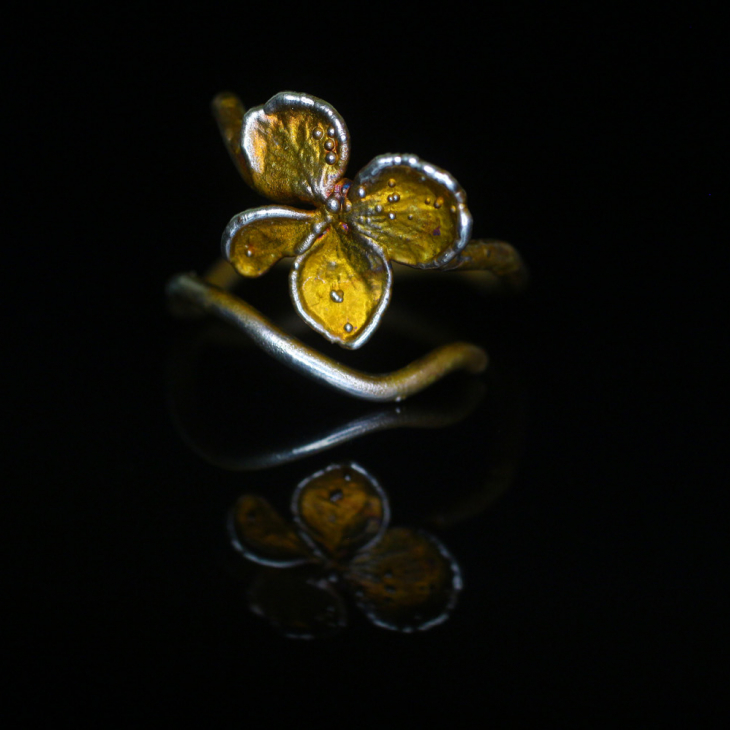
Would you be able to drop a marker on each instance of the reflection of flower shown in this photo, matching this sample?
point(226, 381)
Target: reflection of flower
point(295, 149)
point(402, 579)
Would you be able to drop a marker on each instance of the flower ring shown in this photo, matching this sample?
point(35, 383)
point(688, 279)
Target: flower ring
point(294, 149)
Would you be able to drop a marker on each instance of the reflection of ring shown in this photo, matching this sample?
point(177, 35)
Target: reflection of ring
point(196, 410)
point(294, 149)
point(340, 541)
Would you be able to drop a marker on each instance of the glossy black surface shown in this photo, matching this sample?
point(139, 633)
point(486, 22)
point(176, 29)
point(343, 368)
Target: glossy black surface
point(593, 584)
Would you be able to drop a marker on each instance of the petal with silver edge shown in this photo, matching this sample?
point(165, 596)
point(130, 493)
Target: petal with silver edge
point(413, 210)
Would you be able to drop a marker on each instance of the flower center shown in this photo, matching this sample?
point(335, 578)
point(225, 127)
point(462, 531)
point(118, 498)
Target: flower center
point(338, 200)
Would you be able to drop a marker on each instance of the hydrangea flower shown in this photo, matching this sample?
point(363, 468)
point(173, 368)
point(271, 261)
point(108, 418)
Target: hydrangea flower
point(340, 542)
point(294, 149)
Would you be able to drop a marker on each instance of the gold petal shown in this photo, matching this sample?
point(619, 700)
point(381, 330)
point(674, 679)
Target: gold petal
point(406, 582)
point(300, 603)
point(341, 509)
point(260, 533)
point(414, 211)
point(341, 287)
point(256, 239)
point(296, 148)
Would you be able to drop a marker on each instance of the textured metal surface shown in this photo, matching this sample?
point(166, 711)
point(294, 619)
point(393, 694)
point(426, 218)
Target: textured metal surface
point(256, 239)
point(296, 148)
point(341, 288)
point(416, 211)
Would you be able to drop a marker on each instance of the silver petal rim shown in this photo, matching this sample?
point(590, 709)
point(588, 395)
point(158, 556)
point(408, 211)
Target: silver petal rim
point(254, 557)
point(379, 164)
point(241, 220)
point(294, 100)
point(367, 331)
point(301, 528)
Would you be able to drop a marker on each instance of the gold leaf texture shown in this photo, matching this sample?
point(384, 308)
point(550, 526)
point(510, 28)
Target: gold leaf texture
point(296, 148)
point(414, 211)
point(256, 239)
point(341, 509)
point(263, 536)
point(341, 286)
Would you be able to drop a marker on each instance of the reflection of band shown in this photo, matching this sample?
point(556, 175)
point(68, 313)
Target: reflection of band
point(291, 445)
point(396, 385)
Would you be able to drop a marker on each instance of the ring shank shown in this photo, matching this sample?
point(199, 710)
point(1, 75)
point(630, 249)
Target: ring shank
point(393, 386)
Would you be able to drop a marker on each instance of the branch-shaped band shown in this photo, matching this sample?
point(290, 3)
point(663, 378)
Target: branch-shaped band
point(393, 386)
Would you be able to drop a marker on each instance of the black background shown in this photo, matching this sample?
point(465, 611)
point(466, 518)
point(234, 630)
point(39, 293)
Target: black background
point(594, 584)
